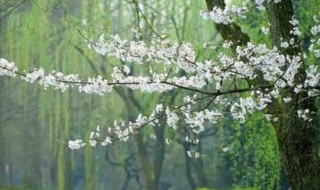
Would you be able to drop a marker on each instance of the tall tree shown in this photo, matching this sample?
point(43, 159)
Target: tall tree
point(297, 138)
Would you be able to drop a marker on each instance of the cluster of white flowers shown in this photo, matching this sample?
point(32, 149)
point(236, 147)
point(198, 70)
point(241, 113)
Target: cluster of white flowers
point(239, 110)
point(196, 120)
point(191, 140)
point(7, 68)
point(274, 66)
point(260, 3)
point(193, 154)
point(225, 149)
point(304, 114)
point(94, 135)
point(96, 85)
point(313, 76)
point(154, 83)
point(168, 141)
point(269, 62)
point(284, 45)
point(212, 79)
point(180, 55)
point(121, 130)
point(76, 144)
point(315, 31)
point(295, 30)
point(55, 79)
point(224, 16)
point(172, 118)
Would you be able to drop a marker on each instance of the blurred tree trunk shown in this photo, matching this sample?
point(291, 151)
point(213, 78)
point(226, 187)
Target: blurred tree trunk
point(2, 143)
point(2, 140)
point(151, 162)
point(199, 180)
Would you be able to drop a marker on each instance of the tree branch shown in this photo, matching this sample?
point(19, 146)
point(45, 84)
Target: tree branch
point(231, 32)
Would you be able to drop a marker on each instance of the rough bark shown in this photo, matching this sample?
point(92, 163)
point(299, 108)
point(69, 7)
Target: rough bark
point(297, 139)
point(298, 148)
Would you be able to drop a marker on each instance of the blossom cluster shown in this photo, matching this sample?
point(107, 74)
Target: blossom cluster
point(76, 144)
point(315, 38)
point(7, 68)
point(209, 81)
point(224, 16)
point(260, 3)
point(277, 69)
point(139, 52)
point(122, 130)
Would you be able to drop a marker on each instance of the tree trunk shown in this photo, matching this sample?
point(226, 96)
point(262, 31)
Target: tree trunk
point(199, 180)
point(297, 138)
point(151, 163)
point(298, 148)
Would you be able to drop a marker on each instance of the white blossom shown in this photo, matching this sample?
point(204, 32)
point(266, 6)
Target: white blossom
point(153, 136)
point(106, 141)
point(265, 30)
point(7, 68)
point(220, 16)
point(286, 100)
point(92, 142)
point(76, 144)
point(126, 69)
point(189, 153)
point(303, 114)
point(216, 78)
point(197, 155)
point(168, 141)
point(284, 44)
point(172, 118)
point(97, 85)
point(268, 117)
